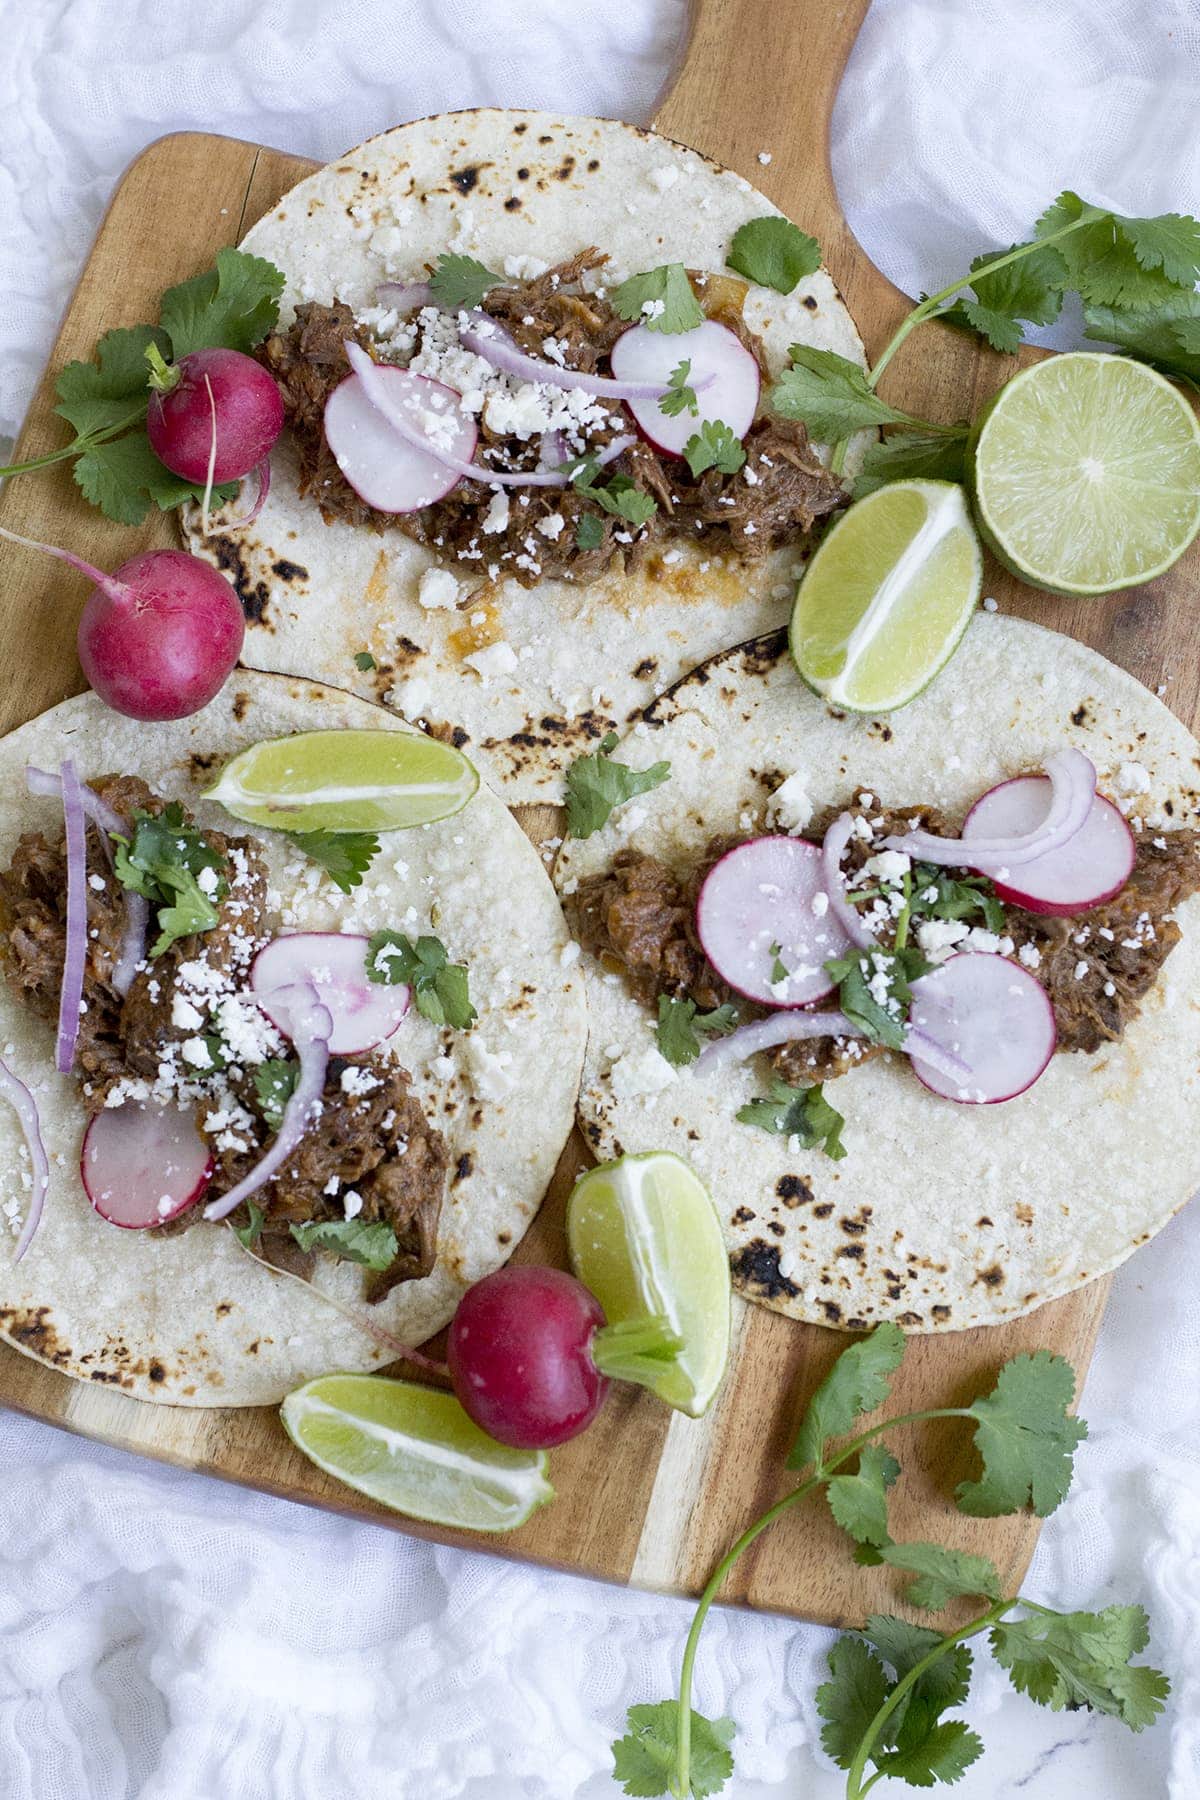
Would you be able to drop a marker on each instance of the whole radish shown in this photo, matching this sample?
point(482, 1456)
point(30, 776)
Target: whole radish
point(212, 394)
point(158, 638)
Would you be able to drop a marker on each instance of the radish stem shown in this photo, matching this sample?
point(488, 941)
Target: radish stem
point(116, 590)
point(163, 375)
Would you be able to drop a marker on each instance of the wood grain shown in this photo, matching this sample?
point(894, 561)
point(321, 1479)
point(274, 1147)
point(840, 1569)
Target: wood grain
point(644, 1495)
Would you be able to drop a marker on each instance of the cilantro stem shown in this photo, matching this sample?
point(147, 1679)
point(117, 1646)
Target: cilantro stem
point(76, 447)
point(855, 1785)
point(905, 916)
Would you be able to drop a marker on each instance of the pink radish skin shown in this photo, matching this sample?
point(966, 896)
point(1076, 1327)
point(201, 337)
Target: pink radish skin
point(389, 474)
point(245, 411)
point(1088, 870)
point(763, 893)
point(144, 1165)
point(363, 1012)
point(723, 372)
point(992, 1014)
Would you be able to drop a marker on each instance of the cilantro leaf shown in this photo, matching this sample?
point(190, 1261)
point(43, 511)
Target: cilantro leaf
point(369, 1242)
point(275, 1083)
point(233, 305)
point(861, 973)
point(848, 1702)
point(680, 396)
point(364, 660)
point(1083, 1659)
point(644, 1760)
point(857, 1383)
point(596, 786)
point(162, 861)
point(440, 987)
point(936, 894)
point(345, 856)
point(830, 394)
point(661, 299)
point(714, 446)
point(589, 532)
point(773, 252)
point(859, 1502)
point(943, 1752)
point(250, 1233)
point(123, 477)
point(1026, 1438)
point(1167, 336)
point(621, 496)
point(942, 1575)
point(1028, 289)
point(681, 1029)
point(912, 456)
point(903, 1645)
point(96, 396)
point(461, 281)
point(1114, 261)
point(803, 1113)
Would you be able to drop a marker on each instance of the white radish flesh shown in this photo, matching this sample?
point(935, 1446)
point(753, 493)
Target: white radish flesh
point(723, 373)
point(769, 893)
point(385, 471)
point(363, 1012)
point(1088, 869)
point(144, 1165)
point(994, 1016)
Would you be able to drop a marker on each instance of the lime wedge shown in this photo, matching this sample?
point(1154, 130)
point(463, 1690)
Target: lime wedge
point(414, 1449)
point(645, 1237)
point(889, 593)
point(345, 781)
point(1086, 471)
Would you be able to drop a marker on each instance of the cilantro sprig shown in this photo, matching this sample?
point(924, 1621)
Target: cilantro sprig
point(773, 252)
point(345, 856)
point(662, 299)
point(682, 1029)
point(802, 1113)
point(714, 446)
point(596, 786)
point(440, 988)
point(163, 861)
point(620, 496)
point(233, 306)
point(892, 1685)
point(371, 1242)
point(679, 397)
point(461, 281)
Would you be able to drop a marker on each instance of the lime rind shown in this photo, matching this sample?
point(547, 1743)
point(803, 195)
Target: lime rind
point(346, 781)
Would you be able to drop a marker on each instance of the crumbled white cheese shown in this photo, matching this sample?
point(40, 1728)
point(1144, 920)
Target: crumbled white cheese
point(185, 1016)
point(1030, 955)
point(496, 517)
point(494, 659)
point(889, 865)
point(359, 1081)
point(524, 268)
point(411, 697)
point(551, 526)
point(437, 588)
point(1133, 778)
point(491, 1075)
point(791, 805)
point(640, 1072)
point(663, 177)
point(352, 1204)
point(938, 937)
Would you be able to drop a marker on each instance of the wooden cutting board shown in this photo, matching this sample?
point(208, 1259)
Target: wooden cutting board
point(644, 1496)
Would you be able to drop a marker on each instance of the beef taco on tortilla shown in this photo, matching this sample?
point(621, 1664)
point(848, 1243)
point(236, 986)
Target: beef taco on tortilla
point(537, 462)
point(916, 998)
point(221, 1040)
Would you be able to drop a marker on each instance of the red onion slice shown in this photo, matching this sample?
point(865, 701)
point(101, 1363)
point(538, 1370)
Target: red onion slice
point(1073, 788)
point(47, 785)
point(25, 1107)
point(75, 951)
point(262, 474)
point(763, 1034)
point(833, 848)
point(310, 1027)
point(1092, 868)
point(487, 339)
point(405, 296)
point(376, 390)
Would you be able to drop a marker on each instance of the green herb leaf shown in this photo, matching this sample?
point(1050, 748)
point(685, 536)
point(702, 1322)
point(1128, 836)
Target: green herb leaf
point(680, 396)
point(938, 895)
point(364, 660)
point(162, 861)
point(1167, 336)
point(830, 394)
point(779, 969)
point(861, 973)
point(943, 1752)
point(682, 1030)
point(1026, 1438)
point(461, 281)
point(714, 446)
point(773, 252)
point(803, 1113)
point(345, 856)
point(250, 1233)
point(661, 299)
point(371, 1243)
point(620, 496)
point(589, 531)
point(1083, 1659)
point(123, 477)
point(942, 1575)
point(859, 1502)
point(903, 1645)
point(1029, 289)
point(857, 1383)
point(440, 987)
point(848, 1702)
point(596, 786)
point(275, 1083)
point(1114, 261)
point(233, 305)
point(96, 396)
point(912, 456)
point(644, 1760)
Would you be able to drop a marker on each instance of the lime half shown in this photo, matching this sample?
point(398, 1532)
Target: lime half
point(889, 593)
point(645, 1238)
point(1086, 470)
point(414, 1449)
point(345, 781)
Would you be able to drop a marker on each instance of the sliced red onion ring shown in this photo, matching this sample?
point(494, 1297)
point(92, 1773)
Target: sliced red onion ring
point(488, 340)
point(405, 296)
point(262, 474)
point(25, 1107)
point(75, 952)
point(763, 1034)
point(376, 389)
point(920, 1047)
point(552, 451)
point(1092, 868)
point(833, 849)
point(46, 784)
point(334, 963)
point(310, 1027)
point(1073, 788)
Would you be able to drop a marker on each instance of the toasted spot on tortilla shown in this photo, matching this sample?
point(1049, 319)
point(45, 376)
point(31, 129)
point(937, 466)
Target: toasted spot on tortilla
point(241, 705)
point(794, 1190)
point(466, 179)
point(991, 1277)
point(253, 596)
point(755, 1269)
point(289, 571)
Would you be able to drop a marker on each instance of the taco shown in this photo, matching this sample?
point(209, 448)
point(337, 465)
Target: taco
point(824, 943)
point(496, 256)
point(406, 1052)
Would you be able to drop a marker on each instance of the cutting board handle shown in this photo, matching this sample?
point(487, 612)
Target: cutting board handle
point(762, 75)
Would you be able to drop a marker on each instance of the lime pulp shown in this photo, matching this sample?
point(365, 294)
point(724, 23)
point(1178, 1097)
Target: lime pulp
point(345, 781)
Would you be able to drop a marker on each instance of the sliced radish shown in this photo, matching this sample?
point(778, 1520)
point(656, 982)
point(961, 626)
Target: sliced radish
point(364, 1012)
point(723, 373)
point(992, 1014)
point(760, 895)
point(144, 1165)
point(1088, 869)
point(388, 472)
point(1072, 782)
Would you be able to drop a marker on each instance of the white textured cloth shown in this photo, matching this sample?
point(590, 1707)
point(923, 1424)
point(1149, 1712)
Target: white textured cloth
point(167, 1638)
